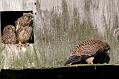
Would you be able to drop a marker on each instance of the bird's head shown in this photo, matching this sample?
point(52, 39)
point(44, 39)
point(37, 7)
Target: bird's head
point(28, 17)
point(9, 29)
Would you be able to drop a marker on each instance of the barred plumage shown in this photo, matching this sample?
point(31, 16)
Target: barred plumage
point(9, 36)
point(24, 34)
point(86, 50)
point(24, 28)
point(25, 20)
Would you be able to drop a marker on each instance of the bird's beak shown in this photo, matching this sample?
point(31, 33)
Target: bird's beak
point(73, 59)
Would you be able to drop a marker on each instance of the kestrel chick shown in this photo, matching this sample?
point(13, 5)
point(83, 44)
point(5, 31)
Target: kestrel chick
point(9, 36)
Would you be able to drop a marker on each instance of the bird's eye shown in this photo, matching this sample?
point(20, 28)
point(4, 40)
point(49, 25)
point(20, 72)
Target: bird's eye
point(25, 17)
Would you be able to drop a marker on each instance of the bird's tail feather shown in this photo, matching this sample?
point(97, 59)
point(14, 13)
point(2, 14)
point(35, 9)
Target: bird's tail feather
point(73, 59)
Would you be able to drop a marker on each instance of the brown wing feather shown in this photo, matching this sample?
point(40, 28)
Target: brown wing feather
point(25, 20)
point(24, 33)
point(89, 52)
point(91, 47)
point(23, 27)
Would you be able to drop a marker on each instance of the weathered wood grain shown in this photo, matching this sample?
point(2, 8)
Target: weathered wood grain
point(58, 26)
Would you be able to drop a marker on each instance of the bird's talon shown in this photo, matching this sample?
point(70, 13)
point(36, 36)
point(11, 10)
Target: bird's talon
point(27, 44)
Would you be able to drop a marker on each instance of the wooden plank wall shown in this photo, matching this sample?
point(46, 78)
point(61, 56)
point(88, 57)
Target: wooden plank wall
point(59, 25)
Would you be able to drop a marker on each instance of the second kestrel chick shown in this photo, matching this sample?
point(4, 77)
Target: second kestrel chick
point(24, 34)
point(9, 36)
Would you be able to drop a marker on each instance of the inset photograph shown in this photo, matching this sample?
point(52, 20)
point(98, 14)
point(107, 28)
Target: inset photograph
point(17, 27)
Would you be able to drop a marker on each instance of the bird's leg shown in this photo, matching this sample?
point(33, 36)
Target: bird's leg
point(27, 44)
point(90, 60)
point(20, 45)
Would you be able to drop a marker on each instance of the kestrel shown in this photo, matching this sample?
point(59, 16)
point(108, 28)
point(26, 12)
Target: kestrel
point(88, 52)
point(9, 36)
